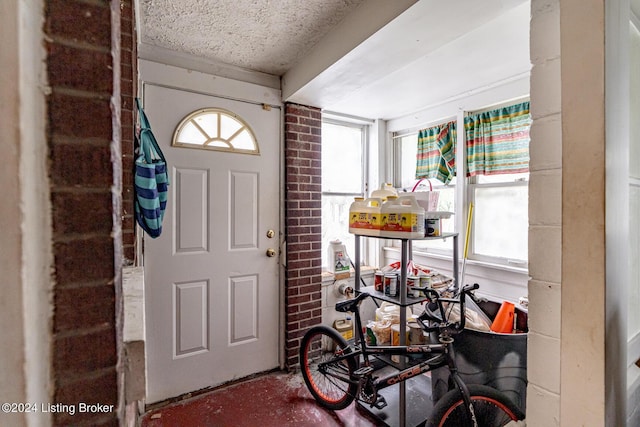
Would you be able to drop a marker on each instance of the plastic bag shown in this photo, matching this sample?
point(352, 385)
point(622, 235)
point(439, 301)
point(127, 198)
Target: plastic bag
point(381, 330)
point(391, 313)
point(475, 318)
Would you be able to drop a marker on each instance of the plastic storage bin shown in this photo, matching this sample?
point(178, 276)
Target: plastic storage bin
point(489, 358)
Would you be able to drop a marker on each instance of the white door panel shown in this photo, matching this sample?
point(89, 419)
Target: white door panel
point(212, 294)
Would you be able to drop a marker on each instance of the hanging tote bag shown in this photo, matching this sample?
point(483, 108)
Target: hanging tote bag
point(151, 180)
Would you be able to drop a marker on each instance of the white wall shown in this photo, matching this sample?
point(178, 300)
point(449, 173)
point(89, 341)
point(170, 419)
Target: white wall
point(545, 259)
point(12, 376)
point(633, 326)
point(330, 296)
point(25, 228)
point(583, 282)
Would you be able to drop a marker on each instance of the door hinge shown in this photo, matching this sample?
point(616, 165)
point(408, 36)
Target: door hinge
point(266, 107)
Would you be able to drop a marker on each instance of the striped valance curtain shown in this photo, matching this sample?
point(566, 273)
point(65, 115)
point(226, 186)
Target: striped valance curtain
point(436, 152)
point(498, 140)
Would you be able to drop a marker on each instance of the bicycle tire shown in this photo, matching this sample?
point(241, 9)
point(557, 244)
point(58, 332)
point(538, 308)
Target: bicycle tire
point(492, 408)
point(321, 344)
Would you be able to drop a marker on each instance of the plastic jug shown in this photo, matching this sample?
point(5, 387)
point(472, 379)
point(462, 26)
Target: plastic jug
point(344, 327)
point(373, 208)
point(402, 218)
point(358, 215)
point(338, 259)
point(368, 219)
point(384, 192)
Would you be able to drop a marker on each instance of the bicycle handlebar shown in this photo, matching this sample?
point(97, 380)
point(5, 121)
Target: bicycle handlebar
point(442, 324)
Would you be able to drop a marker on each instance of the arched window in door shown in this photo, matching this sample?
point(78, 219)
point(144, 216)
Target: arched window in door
point(215, 129)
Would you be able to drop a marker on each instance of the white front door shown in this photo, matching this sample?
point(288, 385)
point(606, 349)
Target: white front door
point(211, 290)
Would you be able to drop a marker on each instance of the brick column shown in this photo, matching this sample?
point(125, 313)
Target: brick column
point(128, 83)
point(84, 142)
point(303, 224)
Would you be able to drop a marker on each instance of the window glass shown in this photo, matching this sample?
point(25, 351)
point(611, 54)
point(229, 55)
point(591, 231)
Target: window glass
point(501, 222)
point(502, 178)
point(335, 224)
point(408, 150)
point(215, 129)
point(343, 166)
point(190, 134)
point(228, 126)
point(242, 141)
point(342, 159)
point(208, 123)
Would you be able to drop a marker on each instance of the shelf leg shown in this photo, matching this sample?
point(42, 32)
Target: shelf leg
point(456, 277)
point(402, 404)
point(356, 262)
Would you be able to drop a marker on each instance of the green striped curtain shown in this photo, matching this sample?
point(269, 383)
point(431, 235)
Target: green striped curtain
point(498, 140)
point(436, 152)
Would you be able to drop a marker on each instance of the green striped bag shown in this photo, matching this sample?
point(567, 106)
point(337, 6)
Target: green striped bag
point(151, 180)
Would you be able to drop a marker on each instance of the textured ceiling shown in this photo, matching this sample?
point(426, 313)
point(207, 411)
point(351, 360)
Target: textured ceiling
point(262, 35)
point(378, 59)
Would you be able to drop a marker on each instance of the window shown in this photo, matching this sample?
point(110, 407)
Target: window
point(406, 149)
point(215, 129)
point(343, 178)
point(501, 218)
point(497, 147)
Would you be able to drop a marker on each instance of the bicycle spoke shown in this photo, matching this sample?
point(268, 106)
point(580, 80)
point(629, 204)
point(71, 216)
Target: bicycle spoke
point(326, 369)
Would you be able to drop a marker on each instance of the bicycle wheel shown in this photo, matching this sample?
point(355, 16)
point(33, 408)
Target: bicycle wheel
point(492, 408)
point(328, 380)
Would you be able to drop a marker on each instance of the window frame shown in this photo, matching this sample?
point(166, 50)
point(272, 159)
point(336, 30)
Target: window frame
point(464, 188)
point(365, 134)
point(207, 145)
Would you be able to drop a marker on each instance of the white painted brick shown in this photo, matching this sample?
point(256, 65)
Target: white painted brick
point(545, 89)
point(545, 197)
point(545, 253)
point(543, 408)
point(545, 149)
point(544, 308)
point(543, 366)
point(544, 37)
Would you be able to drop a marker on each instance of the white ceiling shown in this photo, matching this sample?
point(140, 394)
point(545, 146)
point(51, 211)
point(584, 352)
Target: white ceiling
point(419, 55)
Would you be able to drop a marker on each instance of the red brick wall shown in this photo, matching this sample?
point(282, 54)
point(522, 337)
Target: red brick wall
point(303, 224)
point(83, 138)
point(128, 89)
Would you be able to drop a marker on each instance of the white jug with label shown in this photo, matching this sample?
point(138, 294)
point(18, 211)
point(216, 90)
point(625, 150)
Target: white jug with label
point(384, 192)
point(402, 218)
point(338, 260)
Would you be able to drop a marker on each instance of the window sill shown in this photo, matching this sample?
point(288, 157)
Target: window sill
point(365, 271)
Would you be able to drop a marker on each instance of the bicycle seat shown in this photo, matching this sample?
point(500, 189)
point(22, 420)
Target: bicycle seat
point(350, 305)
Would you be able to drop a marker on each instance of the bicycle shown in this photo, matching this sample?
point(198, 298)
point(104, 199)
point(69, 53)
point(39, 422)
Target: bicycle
point(337, 372)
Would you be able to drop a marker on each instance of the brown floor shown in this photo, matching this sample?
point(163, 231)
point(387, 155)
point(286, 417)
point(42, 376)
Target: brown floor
point(277, 399)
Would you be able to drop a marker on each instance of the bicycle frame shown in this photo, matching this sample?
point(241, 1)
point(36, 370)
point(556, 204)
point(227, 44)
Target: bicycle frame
point(442, 354)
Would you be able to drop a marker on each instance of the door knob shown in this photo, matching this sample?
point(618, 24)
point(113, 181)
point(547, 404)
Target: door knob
point(271, 252)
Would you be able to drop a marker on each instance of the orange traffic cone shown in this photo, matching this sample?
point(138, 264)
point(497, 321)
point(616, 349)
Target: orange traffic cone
point(503, 323)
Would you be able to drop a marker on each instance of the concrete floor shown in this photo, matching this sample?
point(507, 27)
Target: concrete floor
point(277, 399)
